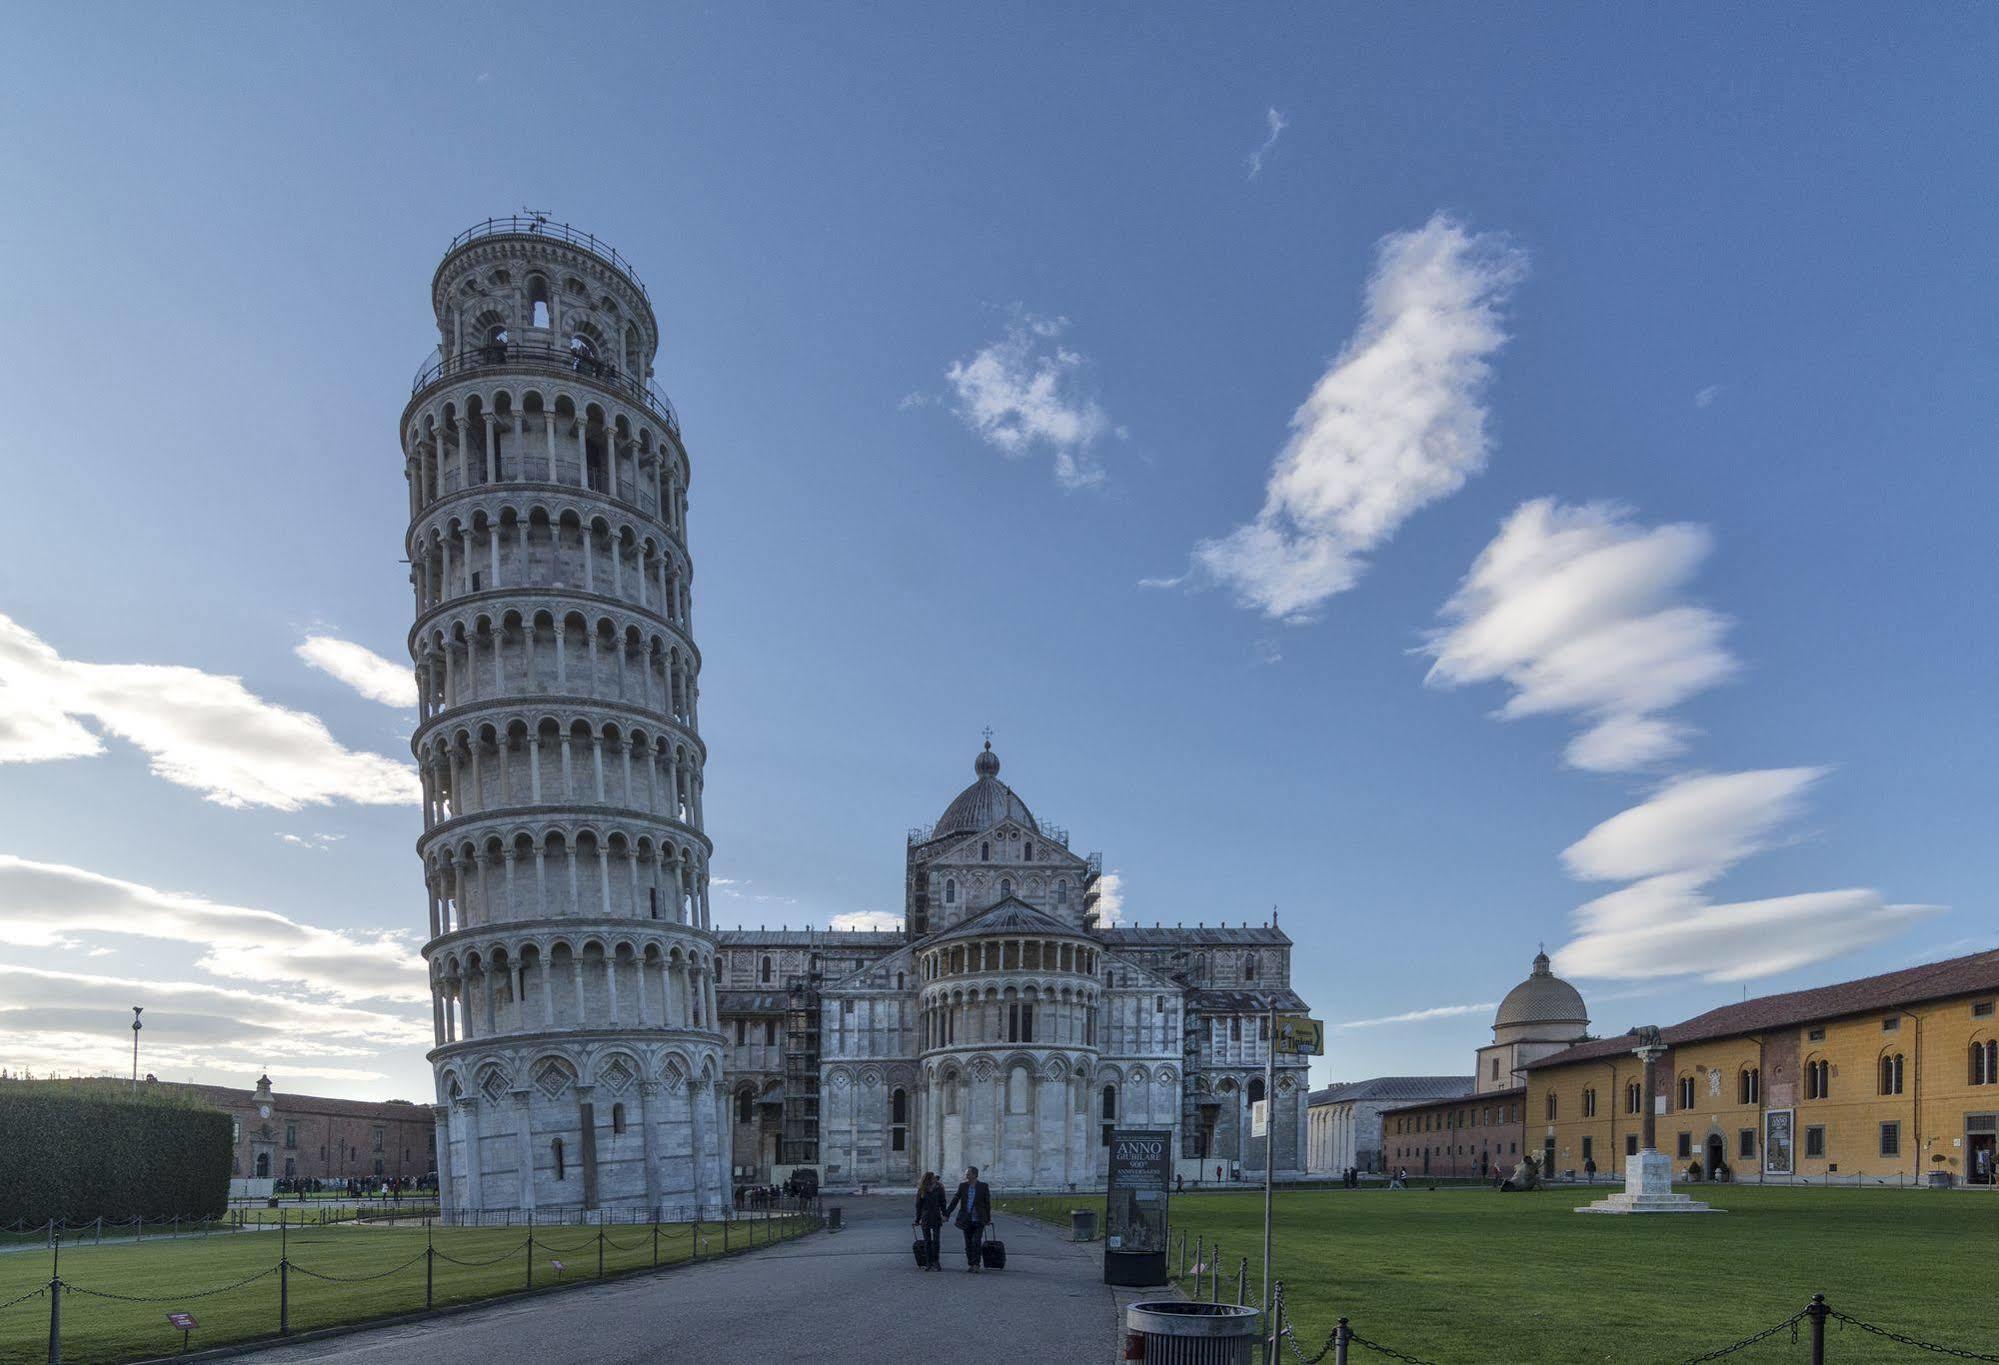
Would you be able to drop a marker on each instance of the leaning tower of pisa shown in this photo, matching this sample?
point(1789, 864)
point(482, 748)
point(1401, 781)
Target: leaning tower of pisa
point(572, 967)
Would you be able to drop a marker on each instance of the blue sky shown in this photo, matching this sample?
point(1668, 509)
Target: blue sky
point(1559, 447)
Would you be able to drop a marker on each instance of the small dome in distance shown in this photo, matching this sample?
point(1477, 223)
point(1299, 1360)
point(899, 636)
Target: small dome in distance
point(1541, 1001)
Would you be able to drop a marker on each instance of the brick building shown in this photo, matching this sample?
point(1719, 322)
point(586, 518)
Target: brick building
point(313, 1137)
point(1888, 1077)
point(1473, 1135)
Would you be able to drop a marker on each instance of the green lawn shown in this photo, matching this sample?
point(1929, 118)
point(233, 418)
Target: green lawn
point(1470, 1275)
point(180, 1275)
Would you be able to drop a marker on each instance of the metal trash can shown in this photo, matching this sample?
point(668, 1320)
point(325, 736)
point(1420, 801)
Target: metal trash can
point(1082, 1225)
point(833, 1219)
point(1167, 1330)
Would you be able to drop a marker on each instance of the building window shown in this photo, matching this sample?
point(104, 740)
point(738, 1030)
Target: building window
point(1745, 1144)
point(1589, 1148)
point(1749, 1085)
point(1062, 893)
point(770, 1033)
point(378, 1138)
point(764, 971)
point(950, 891)
point(1981, 1009)
point(1891, 1139)
point(1006, 887)
point(1249, 967)
point(1818, 1079)
point(744, 1101)
point(1816, 1035)
point(1985, 1062)
point(1686, 1092)
point(1551, 1106)
point(291, 1138)
point(741, 1026)
point(1686, 1144)
point(617, 1118)
point(1631, 1144)
point(1495, 1068)
point(985, 852)
point(1632, 1095)
point(1815, 1141)
point(1589, 1104)
point(1891, 1023)
point(1235, 1028)
point(1028, 851)
point(1891, 1074)
point(555, 1150)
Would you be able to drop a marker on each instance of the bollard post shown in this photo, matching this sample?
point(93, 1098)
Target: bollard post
point(55, 1322)
point(530, 1256)
point(655, 1244)
point(1199, 1243)
point(1215, 1276)
point(1242, 1282)
point(1342, 1334)
point(694, 1246)
point(600, 1251)
point(429, 1272)
point(1818, 1312)
point(284, 1297)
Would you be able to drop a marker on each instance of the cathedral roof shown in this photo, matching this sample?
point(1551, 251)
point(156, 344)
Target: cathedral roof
point(1247, 1002)
point(1010, 916)
point(1191, 935)
point(1413, 1088)
point(1543, 998)
point(983, 804)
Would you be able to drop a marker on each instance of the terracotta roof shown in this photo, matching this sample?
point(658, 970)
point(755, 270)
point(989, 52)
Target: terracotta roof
point(1513, 1093)
point(1397, 1088)
point(1967, 975)
point(228, 1097)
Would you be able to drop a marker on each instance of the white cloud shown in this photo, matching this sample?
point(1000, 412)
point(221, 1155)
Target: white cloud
point(1581, 611)
point(1695, 827)
point(1277, 126)
point(1705, 398)
point(1671, 847)
point(201, 730)
point(45, 902)
point(1422, 1016)
point(362, 669)
point(867, 919)
point(1110, 898)
point(318, 843)
point(1267, 651)
point(1024, 392)
point(1397, 421)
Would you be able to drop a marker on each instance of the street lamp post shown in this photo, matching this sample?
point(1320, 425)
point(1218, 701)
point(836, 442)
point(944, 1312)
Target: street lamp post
point(136, 1010)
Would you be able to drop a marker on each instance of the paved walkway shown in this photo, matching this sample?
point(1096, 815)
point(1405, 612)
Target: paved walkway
point(854, 1297)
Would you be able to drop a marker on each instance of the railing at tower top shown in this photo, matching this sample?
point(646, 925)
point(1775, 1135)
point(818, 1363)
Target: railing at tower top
point(528, 226)
point(498, 355)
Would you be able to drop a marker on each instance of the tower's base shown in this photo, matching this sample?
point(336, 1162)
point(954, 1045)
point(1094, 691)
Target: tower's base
point(1648, 1188)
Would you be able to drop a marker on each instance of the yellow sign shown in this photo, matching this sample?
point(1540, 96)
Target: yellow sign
point(1301, 1034)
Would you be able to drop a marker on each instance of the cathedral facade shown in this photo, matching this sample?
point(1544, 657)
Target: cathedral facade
point(1005, 1026)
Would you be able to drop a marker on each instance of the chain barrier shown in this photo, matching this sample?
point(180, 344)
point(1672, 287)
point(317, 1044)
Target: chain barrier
point(34, 1293)
point(1953, 1352)
point(619, 1246)
point(565, 1251)
point(168, 1298)
point(512, 1251)
point(1789, 1324)
point(357, 1279)
point(1356, 1339)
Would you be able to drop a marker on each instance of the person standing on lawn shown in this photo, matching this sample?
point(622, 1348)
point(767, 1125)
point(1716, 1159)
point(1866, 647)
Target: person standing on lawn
point(974, 1205)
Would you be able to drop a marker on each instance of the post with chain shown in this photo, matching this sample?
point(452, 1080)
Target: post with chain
point(55, 1305)
point(1271, 1322)
point(284, 1296)
point(1342, 1334)
point(1242, 1282)
point(530, 1255)
point(694, 1245)
point(1200, 1244)
point(1818, 1313)
point(655, 1244)
point(429, 1271)
point(1215, 1275)
point(600, 1251)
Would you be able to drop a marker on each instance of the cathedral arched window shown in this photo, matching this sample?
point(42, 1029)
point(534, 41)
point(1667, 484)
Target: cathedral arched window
point(950, 891)
point(1006, 887)
point(743, 1103)
point(1110, 1103)
point(1255, 1092)
point(1249, 967)
point(1027, 851)
point(985, 853)
point(1062, 892)
point(555, 1151)
point(764, 971)
point(617, 1118)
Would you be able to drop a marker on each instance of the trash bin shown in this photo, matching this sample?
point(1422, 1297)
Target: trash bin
point(833, 1219)
point(1167, 1330)
point(1082, 1225)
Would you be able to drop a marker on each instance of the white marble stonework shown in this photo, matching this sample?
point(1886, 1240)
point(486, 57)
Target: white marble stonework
point(1648, 1188)
point(578, 1059)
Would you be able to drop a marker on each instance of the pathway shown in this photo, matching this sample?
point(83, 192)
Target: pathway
point(854, 1297)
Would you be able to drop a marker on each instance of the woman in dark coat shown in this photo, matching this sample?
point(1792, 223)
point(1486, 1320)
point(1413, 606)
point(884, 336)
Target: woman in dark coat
point(930, 1216)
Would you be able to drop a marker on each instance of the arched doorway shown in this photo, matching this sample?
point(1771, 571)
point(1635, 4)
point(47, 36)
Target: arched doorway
point(263, 1165)
point(1717, 1155)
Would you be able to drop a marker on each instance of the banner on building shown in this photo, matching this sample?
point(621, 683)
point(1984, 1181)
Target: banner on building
point(1777, 1142)
point(1301, 1034)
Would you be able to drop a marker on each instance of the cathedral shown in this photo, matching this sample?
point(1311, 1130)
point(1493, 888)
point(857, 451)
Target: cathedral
point(1005, 1026)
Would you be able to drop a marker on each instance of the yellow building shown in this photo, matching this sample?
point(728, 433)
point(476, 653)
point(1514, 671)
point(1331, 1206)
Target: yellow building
point(1890, 1078)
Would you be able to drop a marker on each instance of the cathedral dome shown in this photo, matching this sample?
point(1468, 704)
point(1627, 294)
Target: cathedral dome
point(1543, 998)
point(985, 803)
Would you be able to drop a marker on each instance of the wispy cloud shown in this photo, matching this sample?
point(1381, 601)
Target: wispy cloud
point(1026, 392)
point(1705, 398)
point(1277, 126)
point(201, 730)
point(867, 919)
point(1582, 611)
point(1671, 847)
point(1423, 1016)
point(361, 668)
point(318, 843)
point(1396, 422)
point(47, 902)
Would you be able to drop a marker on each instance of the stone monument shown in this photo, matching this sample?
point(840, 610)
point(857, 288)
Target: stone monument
point(1648, 1176)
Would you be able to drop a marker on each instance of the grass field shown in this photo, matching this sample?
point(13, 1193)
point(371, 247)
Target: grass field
point(371, 1271)
point(1471, 1275)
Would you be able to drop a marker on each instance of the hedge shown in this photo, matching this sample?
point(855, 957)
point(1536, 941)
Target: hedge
point(78, 1151)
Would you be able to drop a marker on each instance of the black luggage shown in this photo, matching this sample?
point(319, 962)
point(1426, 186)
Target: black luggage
point(922, 1254)
point(992, 1255)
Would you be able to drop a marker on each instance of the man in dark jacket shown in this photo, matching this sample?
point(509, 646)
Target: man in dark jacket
point(974, 1205)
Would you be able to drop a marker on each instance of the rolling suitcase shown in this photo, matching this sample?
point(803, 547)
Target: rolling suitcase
point(922, 1256)
point(992, 1254)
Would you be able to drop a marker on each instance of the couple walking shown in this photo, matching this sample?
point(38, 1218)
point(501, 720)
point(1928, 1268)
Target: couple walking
point(974, 1205)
